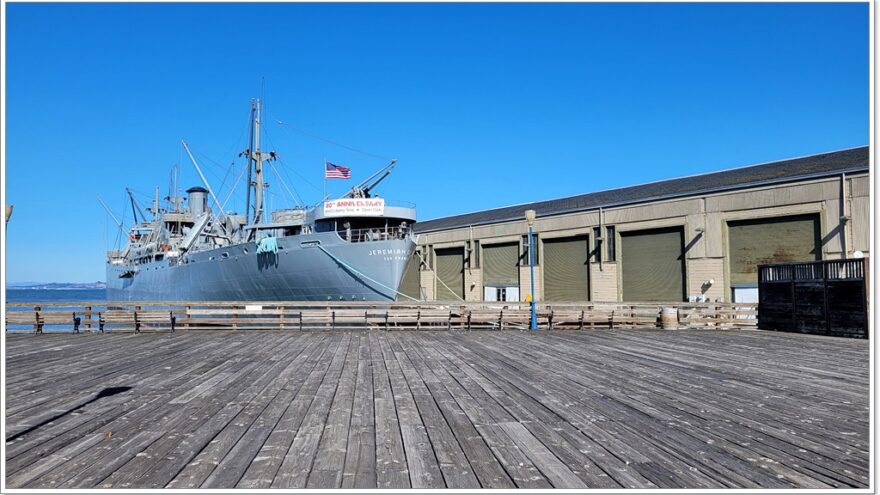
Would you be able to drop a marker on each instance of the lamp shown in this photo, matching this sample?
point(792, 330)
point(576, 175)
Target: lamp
point(530, 218)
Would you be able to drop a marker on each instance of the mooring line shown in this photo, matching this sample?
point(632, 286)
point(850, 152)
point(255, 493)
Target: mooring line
point(349, 267)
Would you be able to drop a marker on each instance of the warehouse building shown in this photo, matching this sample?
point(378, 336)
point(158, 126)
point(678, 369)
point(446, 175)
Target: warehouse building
point(696, 238)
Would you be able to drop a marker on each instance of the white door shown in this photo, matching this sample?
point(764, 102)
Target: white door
point(490, 294)
point(512, 294)
point(745, 294)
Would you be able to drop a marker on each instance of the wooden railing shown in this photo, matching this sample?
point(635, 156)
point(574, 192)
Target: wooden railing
point(176, 316)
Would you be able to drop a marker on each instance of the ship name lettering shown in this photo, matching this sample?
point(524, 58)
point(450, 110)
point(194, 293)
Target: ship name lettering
point(386, 252)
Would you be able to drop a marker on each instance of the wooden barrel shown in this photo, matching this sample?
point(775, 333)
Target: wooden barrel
point(669, 318)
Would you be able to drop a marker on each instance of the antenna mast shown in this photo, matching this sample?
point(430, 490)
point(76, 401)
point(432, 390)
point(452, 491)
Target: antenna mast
point(156, 204)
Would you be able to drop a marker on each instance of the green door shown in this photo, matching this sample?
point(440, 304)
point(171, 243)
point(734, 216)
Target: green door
point(652, 265)
point(500, 265)
point(410, 284)
point(450, 274)
point(566, 269)
point(770, 240)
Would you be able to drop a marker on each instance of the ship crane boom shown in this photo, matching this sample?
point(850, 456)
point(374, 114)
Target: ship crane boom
point(135, 207)
point(118, 223)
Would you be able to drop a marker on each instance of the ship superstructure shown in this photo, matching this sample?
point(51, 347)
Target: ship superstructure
point(354, 248)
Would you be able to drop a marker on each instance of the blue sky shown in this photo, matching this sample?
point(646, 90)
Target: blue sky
point(484, 105)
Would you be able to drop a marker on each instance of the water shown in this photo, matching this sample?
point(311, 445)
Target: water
point(73, 296)
point(67, 295)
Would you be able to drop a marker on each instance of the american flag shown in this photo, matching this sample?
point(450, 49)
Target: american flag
point(336, 171)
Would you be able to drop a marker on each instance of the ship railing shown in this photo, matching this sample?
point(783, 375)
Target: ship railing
point(374, 235)
point(399, 203)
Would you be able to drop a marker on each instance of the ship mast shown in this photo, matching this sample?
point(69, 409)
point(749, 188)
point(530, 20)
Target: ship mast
point(247, 199)
point(258, 167)
point(257, 156)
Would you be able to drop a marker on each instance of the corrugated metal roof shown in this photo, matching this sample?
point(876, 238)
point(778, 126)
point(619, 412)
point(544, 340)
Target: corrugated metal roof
point(824, 164)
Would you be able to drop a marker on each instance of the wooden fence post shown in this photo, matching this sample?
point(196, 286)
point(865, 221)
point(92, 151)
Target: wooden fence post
point(38, 327)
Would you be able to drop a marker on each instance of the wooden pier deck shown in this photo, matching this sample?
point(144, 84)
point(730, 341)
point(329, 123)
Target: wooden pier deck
point(575, 409)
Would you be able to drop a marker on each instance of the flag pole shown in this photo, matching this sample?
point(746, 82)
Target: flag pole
point(324, 197)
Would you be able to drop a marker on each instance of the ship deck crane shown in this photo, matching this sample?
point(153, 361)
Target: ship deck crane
point(363, 189)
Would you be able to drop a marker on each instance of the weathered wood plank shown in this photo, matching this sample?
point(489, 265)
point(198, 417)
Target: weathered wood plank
point(298, 462)
point(561, 409)
point(359, 470)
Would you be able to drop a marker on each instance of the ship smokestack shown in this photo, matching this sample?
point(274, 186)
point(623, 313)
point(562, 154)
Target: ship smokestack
point(198, 200)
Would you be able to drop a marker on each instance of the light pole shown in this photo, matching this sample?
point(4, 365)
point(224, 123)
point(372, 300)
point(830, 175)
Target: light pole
point(530, 217)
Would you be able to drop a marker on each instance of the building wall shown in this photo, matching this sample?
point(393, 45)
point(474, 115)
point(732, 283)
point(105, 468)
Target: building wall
point(859, 209)
point(603, 282)
point(525, 287)
point(473, 284)
point(704, 220)
point(428, 281)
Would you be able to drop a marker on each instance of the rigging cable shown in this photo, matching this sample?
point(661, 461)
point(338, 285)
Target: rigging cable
point(278, 157)
point(234, 187)
point(296, 200)
point(334, 143)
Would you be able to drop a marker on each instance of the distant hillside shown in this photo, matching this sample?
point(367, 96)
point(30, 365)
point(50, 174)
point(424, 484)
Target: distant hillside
point(58, 286)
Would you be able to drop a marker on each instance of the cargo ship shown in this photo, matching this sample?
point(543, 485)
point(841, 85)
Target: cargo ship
point(352, 248)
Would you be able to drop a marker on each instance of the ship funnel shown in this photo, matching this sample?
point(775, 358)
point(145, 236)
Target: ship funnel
point(198, 200)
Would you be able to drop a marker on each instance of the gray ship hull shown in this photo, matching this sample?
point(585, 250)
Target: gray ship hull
point(313, 267)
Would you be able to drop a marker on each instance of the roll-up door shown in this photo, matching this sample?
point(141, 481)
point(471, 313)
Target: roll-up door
point(500, 267)
point(450, 274)
point(566, 269)
point(652, 265)
point(770, 240)
point(410, 284)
